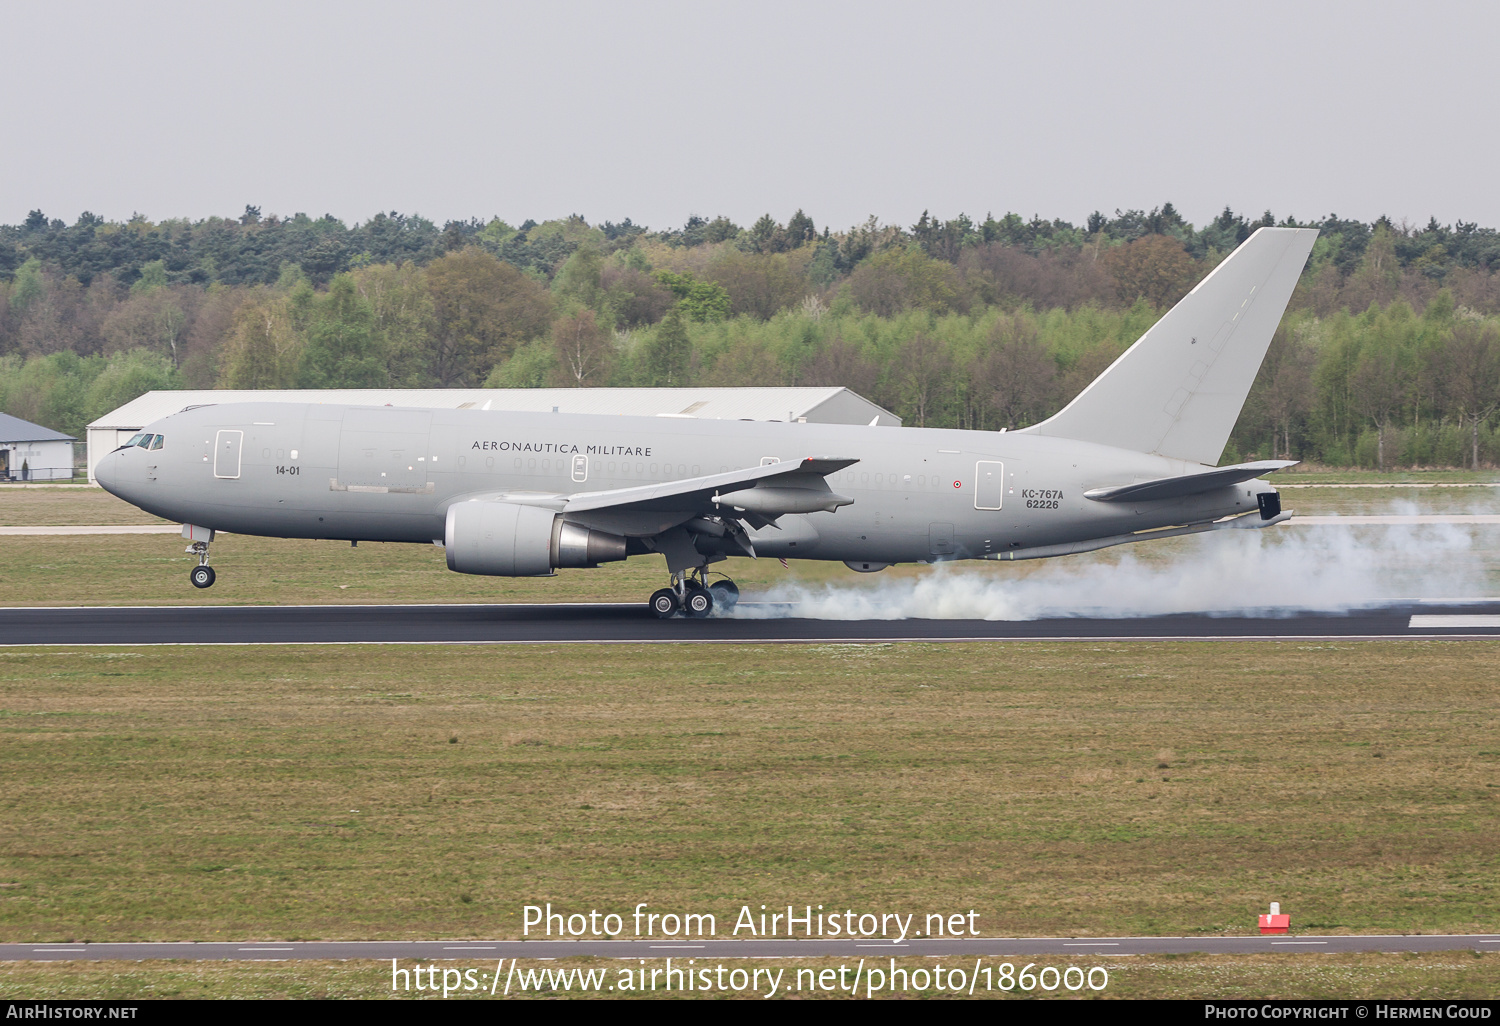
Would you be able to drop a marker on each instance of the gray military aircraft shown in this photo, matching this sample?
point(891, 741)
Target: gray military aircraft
point(521, 494)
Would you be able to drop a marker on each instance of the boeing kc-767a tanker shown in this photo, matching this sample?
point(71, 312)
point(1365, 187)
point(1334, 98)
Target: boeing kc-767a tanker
point(522, 494)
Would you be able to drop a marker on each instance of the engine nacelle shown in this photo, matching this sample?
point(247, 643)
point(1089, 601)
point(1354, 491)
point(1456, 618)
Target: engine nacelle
point(504, 539)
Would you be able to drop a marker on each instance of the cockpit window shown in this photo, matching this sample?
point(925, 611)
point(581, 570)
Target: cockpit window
point(156, 441)
point(134, 440)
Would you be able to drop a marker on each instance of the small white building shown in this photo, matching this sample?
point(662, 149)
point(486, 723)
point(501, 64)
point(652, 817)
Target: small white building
point(30, 452)
point(815, 405)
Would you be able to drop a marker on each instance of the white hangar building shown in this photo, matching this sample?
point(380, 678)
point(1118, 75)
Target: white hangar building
point(30, 452)
point(818, 405)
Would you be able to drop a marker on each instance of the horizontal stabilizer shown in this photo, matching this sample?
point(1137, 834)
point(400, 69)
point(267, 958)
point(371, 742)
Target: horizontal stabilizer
point(1187, 484)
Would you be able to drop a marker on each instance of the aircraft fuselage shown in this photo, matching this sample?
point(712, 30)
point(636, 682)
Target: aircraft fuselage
point(390, 474)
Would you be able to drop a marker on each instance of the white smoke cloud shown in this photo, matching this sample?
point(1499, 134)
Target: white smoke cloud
point(1278, 571)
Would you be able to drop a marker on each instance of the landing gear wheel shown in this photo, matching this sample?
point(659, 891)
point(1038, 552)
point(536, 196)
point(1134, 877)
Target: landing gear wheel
point(725, 594)
point(202, 576)
point(699, 603)
point(664, 603)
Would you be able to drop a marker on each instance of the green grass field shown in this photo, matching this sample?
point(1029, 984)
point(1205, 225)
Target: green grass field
point(367, 792)
point(67, 505)
point(362, 792)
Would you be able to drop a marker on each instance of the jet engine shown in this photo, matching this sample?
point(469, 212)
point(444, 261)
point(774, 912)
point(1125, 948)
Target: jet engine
point(503, 539)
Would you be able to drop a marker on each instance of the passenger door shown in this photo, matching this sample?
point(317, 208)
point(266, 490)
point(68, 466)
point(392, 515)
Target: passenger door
point(228, 446)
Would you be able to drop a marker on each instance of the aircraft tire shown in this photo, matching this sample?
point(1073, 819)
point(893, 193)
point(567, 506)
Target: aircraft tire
point(202, 576)
point(725, 594)
point(663, 604)
point(699, 603)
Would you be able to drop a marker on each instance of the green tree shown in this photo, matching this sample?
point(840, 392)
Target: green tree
point(530, 365)
point(1155, 268)
point(1381, 383)
point(153, 276)
point(923, 378)
point(766, 236)
point(29, 287)
point(482, 309)
point(1014, 381)
point(759, 285)
point(49, 390)
point(667, 352)
point(1471, 377)
point(402, 316)
point(128, 376)
point(152, 318)
point(700, 300)
point(342, 348)
point(800, 229)
point(262, 348)
point(583, 351)
point(905, 279)
point(579, 279)
point(1283, 389)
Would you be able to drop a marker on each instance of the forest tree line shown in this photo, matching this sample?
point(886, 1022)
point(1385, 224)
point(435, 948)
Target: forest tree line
point(1389, 354)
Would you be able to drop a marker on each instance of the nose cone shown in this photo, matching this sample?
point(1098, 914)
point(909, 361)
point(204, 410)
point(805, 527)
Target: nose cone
point(105, 472)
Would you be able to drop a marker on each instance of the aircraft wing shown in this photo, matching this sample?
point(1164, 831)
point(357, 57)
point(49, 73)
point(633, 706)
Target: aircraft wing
point(770, 490)
point(1186, 484)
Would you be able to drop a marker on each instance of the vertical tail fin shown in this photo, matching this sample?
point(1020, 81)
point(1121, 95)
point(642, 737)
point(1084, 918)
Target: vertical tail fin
point(1179, 390)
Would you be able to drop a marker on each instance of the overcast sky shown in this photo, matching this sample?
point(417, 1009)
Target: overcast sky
point(656, 111)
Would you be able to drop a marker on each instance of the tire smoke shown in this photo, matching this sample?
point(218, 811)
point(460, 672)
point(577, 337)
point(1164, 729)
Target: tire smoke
point(1276, 572)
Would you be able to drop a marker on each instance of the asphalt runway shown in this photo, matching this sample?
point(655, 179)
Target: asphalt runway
point(786, 947)
point(632, 623)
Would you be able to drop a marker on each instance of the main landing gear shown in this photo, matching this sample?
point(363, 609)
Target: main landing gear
point(201, 575)
point(692, 596)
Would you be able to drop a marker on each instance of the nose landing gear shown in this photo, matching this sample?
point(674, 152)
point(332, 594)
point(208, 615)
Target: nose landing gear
point(201, 575)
